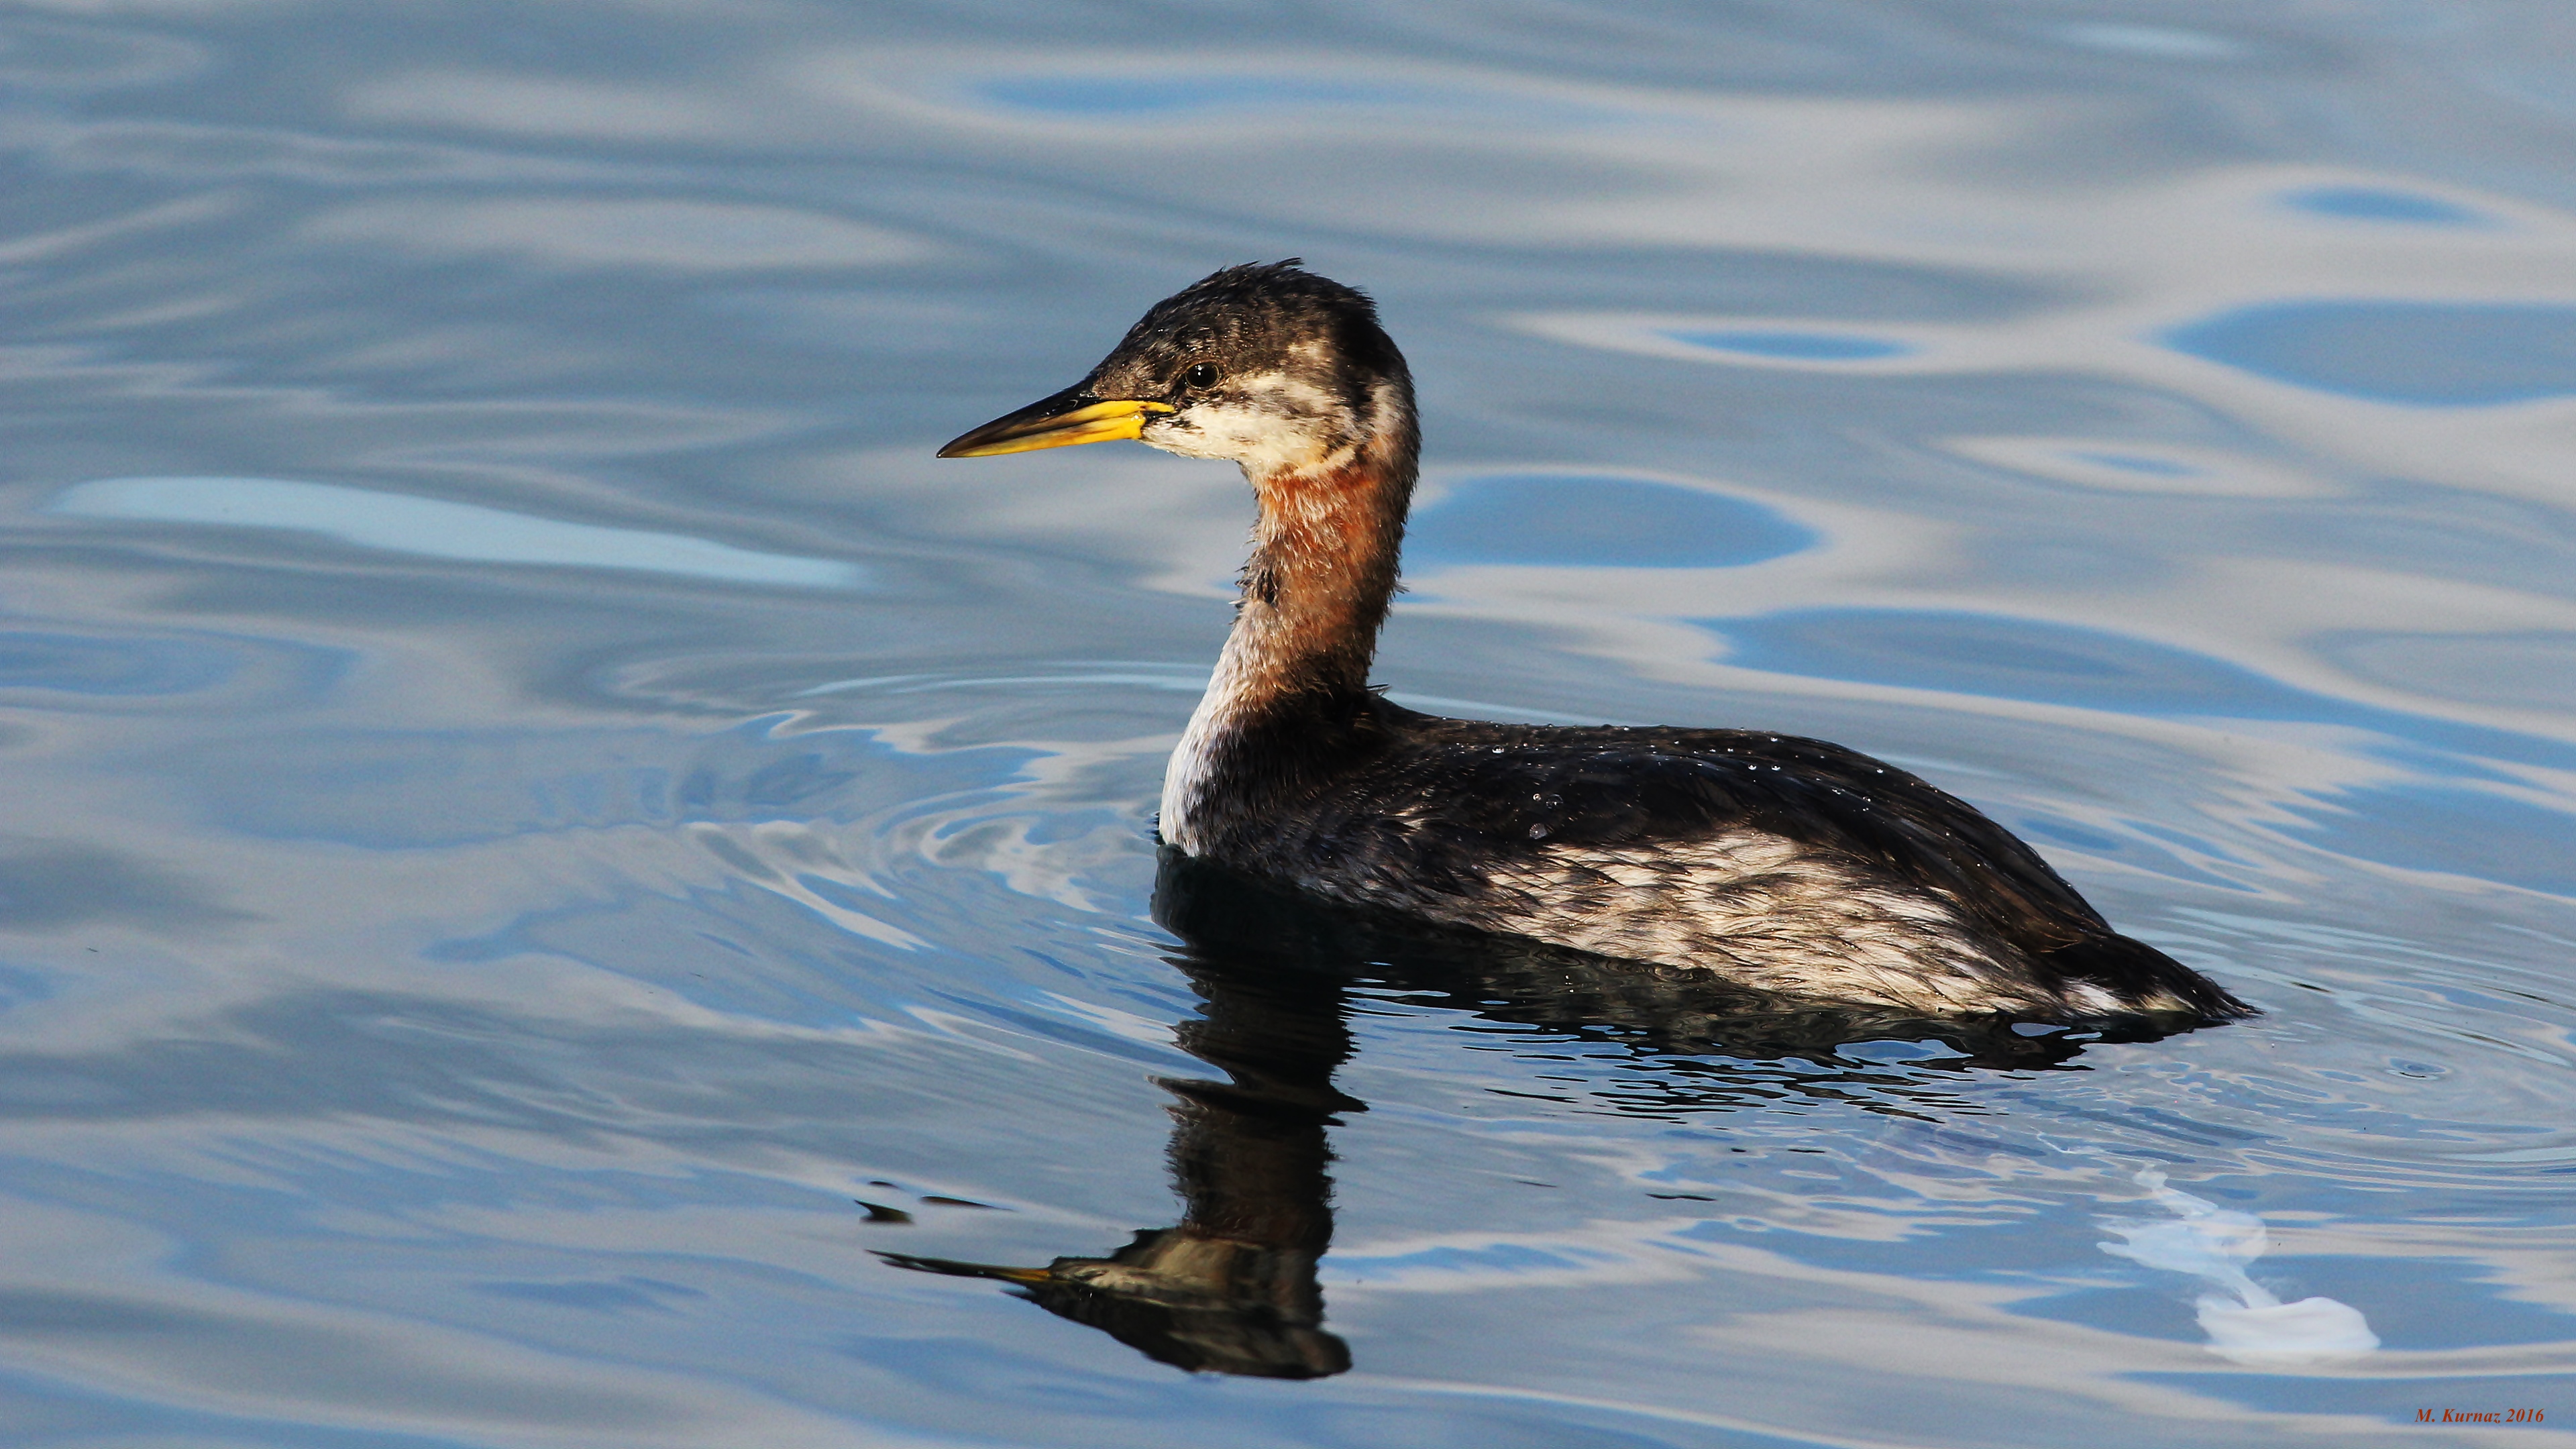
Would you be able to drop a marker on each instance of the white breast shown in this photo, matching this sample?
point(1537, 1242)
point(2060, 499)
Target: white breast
point(1193, 763)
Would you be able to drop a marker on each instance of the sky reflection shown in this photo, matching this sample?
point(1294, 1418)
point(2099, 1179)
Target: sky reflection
point(477, 923)
point(436, 528)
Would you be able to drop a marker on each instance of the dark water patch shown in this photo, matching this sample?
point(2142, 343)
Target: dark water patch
point(1147, 97)
point(1146, 94)
point(2131, 850)
point(2066, 664)
point(86, 664)
point(2003, 657)
point(2143, 465)
point(20, 986)
point(56, 885)
point(754, 952)
point(415, 789)
point(2380, 203)
point(47, 1411)
point(311, 1361)
point(2424, 354)
point(2453, 831)
point(2531, 670)
point(614, 1296)
point(1598, 521)
point(1788, 346)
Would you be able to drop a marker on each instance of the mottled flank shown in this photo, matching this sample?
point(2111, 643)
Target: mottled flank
point(1786, 865)
point(1789, 865)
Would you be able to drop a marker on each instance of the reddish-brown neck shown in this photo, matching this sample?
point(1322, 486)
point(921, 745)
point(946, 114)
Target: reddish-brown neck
point(1322, 572)
point(1294, 675)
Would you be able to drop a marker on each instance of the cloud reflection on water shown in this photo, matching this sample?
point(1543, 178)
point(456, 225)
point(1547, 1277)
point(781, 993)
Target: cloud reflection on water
point(437, 528)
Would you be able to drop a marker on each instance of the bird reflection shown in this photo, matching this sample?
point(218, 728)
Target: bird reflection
point(1231, 1288)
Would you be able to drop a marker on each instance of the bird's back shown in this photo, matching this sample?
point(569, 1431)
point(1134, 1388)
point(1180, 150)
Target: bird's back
point(1788, 864)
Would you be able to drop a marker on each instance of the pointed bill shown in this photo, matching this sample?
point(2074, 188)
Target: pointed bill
point(1072, 416)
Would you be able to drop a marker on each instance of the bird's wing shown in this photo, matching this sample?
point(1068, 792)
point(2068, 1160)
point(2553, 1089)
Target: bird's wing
point(1479, 793)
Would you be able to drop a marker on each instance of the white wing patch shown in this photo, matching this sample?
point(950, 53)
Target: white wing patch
point(1754, 908)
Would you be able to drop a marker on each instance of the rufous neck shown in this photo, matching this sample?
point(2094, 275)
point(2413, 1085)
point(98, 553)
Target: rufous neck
point(1321, 575)
point(1293, 679)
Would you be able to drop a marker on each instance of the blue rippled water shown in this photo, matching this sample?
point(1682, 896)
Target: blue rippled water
point(553, 855)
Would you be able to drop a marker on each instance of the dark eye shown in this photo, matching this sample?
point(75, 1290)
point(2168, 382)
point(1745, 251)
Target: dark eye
point(1200, 375)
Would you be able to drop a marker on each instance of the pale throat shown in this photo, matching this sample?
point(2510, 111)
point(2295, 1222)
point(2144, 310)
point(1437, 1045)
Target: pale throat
point(1315, 589)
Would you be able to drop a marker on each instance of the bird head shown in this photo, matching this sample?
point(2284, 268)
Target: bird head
point(1280, 370)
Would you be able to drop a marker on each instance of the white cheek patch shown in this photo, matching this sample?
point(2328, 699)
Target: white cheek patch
point(1290, 395)
point(1272, 423)
point(1394, 410)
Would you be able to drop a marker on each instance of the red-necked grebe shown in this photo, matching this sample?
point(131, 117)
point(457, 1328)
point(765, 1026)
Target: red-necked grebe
point(1786, 864)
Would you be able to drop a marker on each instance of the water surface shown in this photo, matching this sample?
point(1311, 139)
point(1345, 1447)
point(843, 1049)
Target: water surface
point(548, 837)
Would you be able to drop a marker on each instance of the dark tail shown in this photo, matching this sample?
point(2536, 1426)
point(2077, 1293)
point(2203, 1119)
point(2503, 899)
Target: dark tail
point(2146, 980)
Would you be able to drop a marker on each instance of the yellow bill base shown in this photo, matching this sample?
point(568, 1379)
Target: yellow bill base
point(1101, 422)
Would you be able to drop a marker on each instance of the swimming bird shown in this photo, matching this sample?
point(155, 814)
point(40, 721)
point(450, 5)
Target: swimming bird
point(1788, 865)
